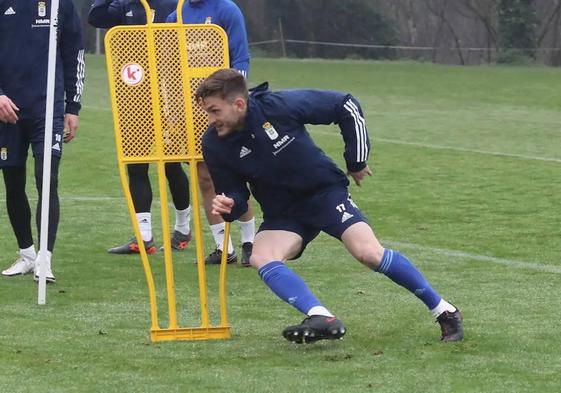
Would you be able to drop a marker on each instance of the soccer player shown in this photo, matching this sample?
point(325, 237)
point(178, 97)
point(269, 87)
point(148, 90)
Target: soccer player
point(227, 15)
point(24, 47)
point(301, 192)
point(106, 14)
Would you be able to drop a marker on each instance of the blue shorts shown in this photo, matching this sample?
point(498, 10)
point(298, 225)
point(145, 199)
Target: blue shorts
point(331, 211)
point(15, 140)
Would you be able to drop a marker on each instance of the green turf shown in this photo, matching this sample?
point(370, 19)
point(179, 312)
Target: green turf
point(466, 165)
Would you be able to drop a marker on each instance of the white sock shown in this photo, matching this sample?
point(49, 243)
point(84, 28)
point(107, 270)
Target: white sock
point(218, 234)
point(145, 224)
point(182, 218)
point(441, 307)
point(319, 310)
point(247, 231)
point(28, 253)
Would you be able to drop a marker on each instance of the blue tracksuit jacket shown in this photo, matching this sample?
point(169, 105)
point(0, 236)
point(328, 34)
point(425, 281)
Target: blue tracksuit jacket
point(275, 154)
point(226, 14)
point(24, 48)
point(109, 13)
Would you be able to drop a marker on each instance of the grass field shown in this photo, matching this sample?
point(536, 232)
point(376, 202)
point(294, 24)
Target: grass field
point(467, 164)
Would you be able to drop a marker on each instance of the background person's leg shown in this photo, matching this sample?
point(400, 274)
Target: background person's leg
point(54, 204)
point(247, 235)
point(54, 210)
point(17, 205)
point(179, 188)
point(141, 194)
point(19, 213)
point(140, 188)
point(216, 223)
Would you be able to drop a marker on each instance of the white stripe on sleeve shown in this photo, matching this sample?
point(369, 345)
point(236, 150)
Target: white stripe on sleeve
point(360, 130)
point(80, 72)
point(363, 129)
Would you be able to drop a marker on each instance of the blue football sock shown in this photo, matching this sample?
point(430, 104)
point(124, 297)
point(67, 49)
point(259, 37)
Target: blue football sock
point(401, 271)
point(288, 286)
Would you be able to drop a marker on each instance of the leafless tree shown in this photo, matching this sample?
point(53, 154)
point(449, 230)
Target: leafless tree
point(485, 11)
point(440, 9)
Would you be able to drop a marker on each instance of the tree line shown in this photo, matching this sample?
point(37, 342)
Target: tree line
point(442, 31)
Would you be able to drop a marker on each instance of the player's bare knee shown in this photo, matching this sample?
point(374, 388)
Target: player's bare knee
point(258, 260)
point(369, 256)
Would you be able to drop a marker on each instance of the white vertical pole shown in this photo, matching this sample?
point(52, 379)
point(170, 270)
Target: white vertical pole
point(47, 149)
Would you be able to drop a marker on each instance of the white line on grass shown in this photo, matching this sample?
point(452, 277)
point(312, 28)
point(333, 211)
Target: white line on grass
point(84, 198)
point(444, 147)
point(482, 258)
point(492, 153)
point(97, 108)
point(89, 198)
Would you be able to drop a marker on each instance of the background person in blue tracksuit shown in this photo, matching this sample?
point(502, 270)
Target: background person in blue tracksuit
point(109, 13)
point(227, 15)
point(261, 140)
point(24, 47)
point(106, 14)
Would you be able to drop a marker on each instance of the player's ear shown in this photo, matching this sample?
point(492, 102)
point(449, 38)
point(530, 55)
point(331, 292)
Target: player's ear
point(240, 103)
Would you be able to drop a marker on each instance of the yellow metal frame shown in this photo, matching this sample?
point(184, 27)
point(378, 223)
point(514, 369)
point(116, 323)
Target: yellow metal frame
point(154, 146)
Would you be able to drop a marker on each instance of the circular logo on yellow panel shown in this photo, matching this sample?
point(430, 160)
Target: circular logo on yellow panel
point(132, 74)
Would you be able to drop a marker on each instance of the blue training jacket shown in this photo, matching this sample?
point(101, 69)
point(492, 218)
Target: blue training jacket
point(24, 49)
point(226, 14)
point(108, 13)
point(275, 154)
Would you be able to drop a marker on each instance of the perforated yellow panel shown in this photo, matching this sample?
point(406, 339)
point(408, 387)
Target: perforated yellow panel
point(200, 117)
point(154, 72)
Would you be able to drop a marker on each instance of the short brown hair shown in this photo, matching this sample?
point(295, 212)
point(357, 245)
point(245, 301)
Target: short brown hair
point(227, 84)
